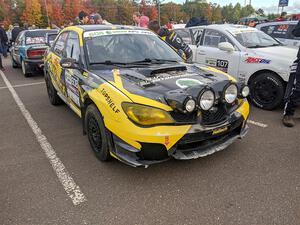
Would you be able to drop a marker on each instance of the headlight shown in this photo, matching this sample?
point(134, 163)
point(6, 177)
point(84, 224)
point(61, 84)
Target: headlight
point(146, 115)
point(190, 105)
point(245, 91)
point(231, 93)
point(207, 100)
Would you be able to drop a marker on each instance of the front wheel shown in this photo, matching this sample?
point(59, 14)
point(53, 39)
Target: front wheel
point(267, 91)
point(97, 133)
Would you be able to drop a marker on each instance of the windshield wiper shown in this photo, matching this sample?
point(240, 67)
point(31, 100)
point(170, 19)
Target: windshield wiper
point(108, 62)
point(148, 60)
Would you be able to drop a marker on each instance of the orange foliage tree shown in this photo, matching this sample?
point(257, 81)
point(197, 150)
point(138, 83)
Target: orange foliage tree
point(32, 13)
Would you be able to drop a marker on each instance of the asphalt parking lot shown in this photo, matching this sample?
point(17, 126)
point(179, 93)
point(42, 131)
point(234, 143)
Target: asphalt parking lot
point(254, 181)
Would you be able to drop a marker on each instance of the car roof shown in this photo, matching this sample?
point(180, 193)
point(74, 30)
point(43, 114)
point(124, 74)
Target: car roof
point(43, 30)
point(277, 23)
point(108, 27)
point(228, 27)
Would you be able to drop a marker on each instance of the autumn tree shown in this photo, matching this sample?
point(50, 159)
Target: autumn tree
point(32, 13)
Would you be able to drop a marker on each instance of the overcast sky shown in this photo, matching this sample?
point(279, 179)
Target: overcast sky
point(270, 6)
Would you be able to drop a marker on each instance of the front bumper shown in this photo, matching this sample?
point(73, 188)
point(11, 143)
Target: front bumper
point(194, 144)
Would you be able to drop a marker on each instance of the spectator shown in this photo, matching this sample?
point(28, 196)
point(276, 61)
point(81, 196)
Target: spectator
point(283, 17)
point(169, 25)
point(15, 32)
point(3, 40)
point(144, 21)
point(136, 18)
point(293, 88)
point(83, 18)
point(98, 19)
point(173, 40)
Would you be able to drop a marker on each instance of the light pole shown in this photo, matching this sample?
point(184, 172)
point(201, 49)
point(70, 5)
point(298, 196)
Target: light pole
point(47, 13)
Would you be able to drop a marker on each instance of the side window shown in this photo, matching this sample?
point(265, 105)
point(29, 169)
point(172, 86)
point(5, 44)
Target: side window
point(212, 38)
point(290, 35)
point(59, 46)
point(185, 35)
point(19, 38)
point(268, 29)
point(72, 46)
point(278, 31)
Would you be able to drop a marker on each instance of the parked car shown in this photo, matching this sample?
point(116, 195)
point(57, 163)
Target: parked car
point(138, 101)
point(28, 50)
point(248, 54)
point(282, 31)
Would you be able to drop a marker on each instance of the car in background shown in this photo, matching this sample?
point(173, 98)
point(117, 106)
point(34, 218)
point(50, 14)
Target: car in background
point(143, 106)
point(28, 50)
point(282, 31)
point(246, 53)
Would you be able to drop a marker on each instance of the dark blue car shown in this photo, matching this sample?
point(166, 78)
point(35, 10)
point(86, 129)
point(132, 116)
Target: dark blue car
point(28, 50)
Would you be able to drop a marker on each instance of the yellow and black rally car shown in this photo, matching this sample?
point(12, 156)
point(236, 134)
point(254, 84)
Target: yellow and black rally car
point(138, 101)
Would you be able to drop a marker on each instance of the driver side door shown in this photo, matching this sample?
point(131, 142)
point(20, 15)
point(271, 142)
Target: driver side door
point(210, 55)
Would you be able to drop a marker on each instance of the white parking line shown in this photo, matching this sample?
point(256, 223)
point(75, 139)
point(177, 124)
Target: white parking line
point(24, 85)
point(259, 124)
point(72, 189)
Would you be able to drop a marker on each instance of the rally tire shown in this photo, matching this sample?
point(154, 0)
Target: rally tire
point(97, 133)
point(25, 69)
point(52, 93)
point(267, 91)
point(14, 63)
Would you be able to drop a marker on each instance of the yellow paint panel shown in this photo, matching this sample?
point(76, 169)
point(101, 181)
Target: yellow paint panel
point(121, 126)
point(208, 68)
point(244, 109)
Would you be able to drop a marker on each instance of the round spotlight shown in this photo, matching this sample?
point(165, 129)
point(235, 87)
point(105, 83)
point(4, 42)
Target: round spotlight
point(231, 93)
point(245, 91)
point(207, 100)
point(190, 105)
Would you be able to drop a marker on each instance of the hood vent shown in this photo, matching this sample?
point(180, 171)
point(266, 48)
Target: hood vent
point(151, 72)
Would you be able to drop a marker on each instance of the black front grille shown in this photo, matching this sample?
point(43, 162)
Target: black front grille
point(214, 117)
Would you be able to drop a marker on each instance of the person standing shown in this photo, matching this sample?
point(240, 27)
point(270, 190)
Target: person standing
point(173, 39)
point(293, 93)
point(15, 32)
point(83, 18)
point(3, 40)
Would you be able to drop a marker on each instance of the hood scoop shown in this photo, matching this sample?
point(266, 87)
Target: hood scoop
point(150, 72)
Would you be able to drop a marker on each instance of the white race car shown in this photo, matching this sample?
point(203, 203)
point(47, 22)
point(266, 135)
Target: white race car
point(247, 54)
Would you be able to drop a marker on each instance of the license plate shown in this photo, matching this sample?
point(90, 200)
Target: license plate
point(219, 130)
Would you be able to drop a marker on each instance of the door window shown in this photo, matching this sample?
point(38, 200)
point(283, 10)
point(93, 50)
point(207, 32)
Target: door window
point(290, 35)
point(59, 46)
point(72, 46)
point(212, 38)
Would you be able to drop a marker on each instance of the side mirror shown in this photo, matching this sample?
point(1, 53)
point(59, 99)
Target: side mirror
point(226, 46)
point(68, 63)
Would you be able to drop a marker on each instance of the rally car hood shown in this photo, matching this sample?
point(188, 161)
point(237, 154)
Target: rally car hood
point(280, 53)
point(164, 81)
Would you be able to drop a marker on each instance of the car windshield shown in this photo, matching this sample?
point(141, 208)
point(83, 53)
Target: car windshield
point(127, 47)
point(254, 39)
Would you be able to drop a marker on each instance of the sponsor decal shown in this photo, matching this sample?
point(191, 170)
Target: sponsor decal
point(109, 101)
point(167, 140)
point(72, 87)
point(187, 82)
point(91, 34)
point(219, 64)
point(257, 60)
point(219, 130)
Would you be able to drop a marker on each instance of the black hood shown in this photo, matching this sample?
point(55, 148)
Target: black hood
point(160, 81)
